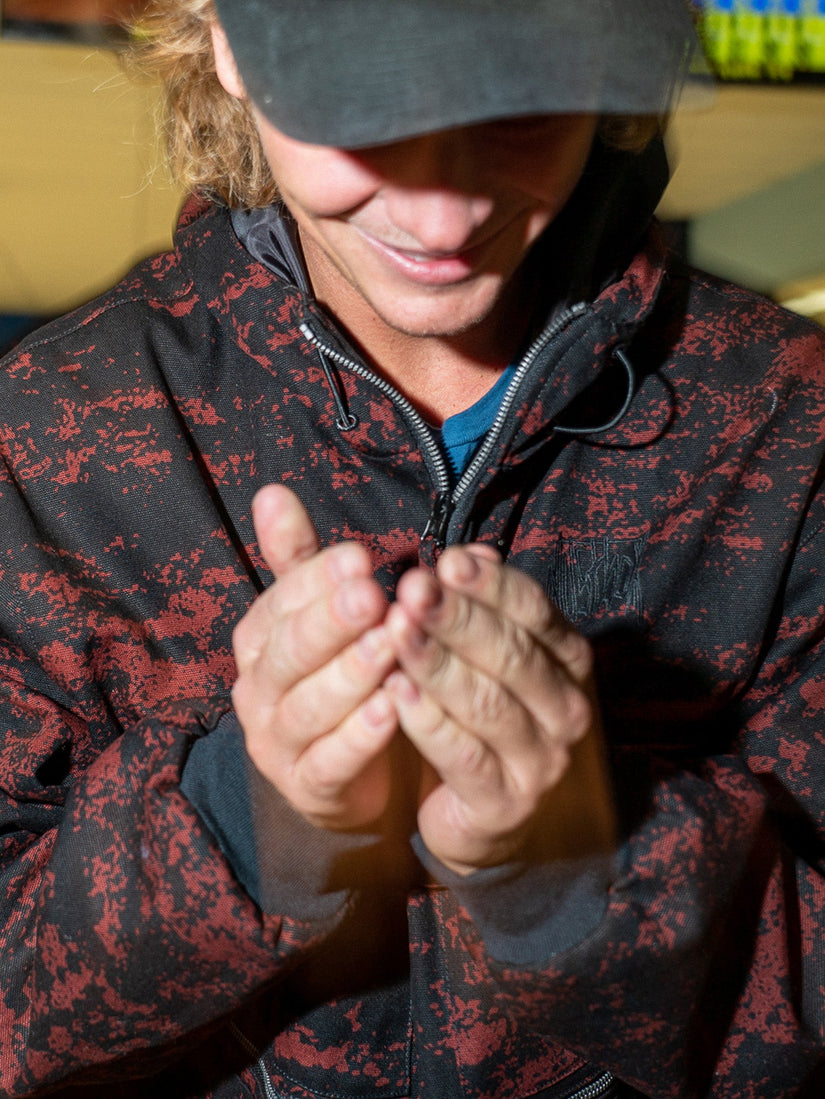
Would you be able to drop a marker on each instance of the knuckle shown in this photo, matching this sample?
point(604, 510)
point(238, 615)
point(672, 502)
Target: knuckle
point(570, 719)
point(517, 651)
point(579, 715)
point(301, 711)
point(525, 599)
point(243, 638)
point(549, 623)
point(579, 655)
point(242, 699)
point(489, 703)
point(257, 711)
point(321, 782)
point(473, 758)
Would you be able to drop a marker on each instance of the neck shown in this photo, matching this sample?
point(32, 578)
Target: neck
point(439, 373)
point(444, 383)
point(440, 376)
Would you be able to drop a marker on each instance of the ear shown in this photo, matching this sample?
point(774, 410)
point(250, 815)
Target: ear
point(225, 65)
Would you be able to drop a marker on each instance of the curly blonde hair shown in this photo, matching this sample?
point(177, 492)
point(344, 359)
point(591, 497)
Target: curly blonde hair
point(212, 142)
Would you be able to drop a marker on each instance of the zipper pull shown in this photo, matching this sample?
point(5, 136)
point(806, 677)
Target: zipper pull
point(438, 521)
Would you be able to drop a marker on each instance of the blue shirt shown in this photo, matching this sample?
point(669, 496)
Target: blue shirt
point(462, 433)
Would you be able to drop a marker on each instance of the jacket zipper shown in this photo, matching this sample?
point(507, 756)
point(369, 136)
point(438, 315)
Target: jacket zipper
point(422, 432)
point(263, 1075)
point(446, 500)
point(529, 357)
point(596, 1088)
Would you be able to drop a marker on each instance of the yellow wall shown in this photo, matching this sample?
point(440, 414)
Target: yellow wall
point(78, 205)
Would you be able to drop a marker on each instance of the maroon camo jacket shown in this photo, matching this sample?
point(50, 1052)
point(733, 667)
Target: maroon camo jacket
point(686, 541)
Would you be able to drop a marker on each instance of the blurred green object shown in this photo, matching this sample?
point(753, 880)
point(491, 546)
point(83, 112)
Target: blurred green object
point(778, 40)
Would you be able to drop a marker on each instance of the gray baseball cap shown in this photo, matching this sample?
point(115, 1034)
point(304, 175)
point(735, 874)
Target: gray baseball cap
point(353, 73)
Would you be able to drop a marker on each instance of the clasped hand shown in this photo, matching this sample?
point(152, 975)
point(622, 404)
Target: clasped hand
point(472, 664)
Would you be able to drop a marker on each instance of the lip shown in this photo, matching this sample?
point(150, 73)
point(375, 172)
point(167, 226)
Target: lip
point(430, 269)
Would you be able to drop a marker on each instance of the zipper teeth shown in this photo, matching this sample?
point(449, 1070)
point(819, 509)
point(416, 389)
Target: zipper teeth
point(259, 1062)
point(389, 391)
point(600, 1086)
point(503, 412)
point(422, 430)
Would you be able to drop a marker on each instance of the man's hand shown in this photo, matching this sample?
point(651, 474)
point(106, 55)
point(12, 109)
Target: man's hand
point(487, 680)
point(312, 655)
point(495, 690)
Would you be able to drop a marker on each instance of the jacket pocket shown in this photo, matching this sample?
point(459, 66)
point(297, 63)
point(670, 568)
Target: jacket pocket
point(354, 1048)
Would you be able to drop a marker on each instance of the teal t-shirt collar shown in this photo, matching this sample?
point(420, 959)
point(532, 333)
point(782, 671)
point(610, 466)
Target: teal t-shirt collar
point(462, 433)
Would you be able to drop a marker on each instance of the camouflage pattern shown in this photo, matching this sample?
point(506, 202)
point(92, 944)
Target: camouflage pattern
point(686, 541)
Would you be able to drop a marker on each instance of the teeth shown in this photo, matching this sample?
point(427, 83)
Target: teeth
point(417, 257)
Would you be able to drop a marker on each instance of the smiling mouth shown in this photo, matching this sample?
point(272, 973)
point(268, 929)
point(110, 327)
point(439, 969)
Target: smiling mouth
point(420, 257)
point(433, 268)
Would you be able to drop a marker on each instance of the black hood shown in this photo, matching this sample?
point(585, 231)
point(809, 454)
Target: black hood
point(599, 230)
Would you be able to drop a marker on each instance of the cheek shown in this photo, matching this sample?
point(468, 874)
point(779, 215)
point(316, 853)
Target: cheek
point(320, 182)
point(547, 169)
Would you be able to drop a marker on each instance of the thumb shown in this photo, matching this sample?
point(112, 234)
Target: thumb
point(286, 535)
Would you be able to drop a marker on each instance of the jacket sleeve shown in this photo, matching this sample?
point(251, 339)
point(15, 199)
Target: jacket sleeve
point(704, 974)
point(124, 928)
point(285, 863)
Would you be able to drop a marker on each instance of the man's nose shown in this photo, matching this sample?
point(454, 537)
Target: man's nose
point(433, 189)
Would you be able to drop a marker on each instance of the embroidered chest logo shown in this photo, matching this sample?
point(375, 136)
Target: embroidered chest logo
point(597, 576)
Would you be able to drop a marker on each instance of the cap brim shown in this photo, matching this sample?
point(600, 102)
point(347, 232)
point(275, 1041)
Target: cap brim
point(353, 73)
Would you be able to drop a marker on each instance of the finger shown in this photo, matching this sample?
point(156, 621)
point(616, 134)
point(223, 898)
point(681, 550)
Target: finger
point(287, 539)
point(482, 666)
point(318, 742)
point(342, 780)
point(520, 713)
point(275, 648)
point(495, 792)
point(317, 578)
point(324, 699)
point(503, 689)
point(283, 527)
point(476, 572)
point(460, 759)
point(476, 810)
point(461, 690)
point(483, 550)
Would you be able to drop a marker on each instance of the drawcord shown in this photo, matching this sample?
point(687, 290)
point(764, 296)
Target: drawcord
point(346, 421)
point(631, 388)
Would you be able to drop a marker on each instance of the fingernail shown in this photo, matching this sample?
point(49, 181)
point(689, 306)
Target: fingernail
point(373, 644)
point(463, 567)
point(377, 711)
point(345, 560)
point(402, 686)
point(351, 602)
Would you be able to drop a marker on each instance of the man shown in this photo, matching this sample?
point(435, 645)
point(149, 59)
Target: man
point(510, 783)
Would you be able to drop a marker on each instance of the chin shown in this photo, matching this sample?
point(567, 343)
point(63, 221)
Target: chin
point(435, 329)
point(446, 321)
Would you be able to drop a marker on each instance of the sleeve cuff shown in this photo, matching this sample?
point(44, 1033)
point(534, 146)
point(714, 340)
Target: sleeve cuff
point(528, 914)
point(287, 865)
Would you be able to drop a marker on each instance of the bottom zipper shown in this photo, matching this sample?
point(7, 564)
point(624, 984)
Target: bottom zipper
point(599, 1088)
